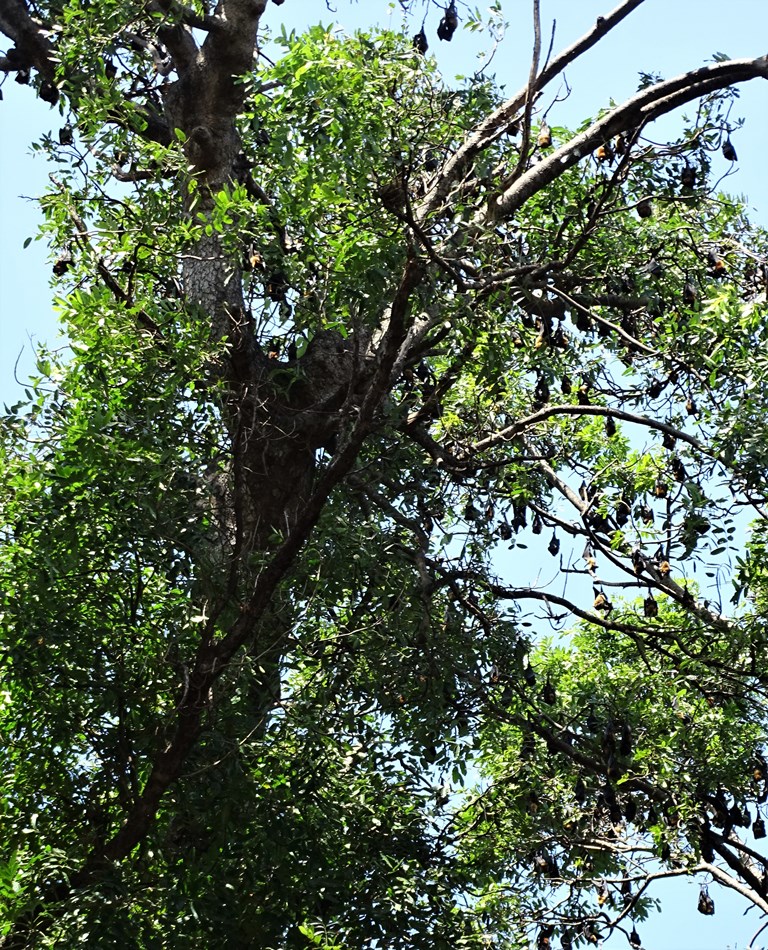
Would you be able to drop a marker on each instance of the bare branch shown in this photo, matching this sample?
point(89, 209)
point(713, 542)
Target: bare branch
point(648, 104)
point(495, 124)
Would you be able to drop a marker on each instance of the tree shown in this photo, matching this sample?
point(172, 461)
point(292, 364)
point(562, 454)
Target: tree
point(339, 335)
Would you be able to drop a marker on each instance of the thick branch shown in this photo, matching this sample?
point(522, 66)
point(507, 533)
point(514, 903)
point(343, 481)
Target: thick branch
point(495, 124)
point(32, 44)
point(212, 658)
point(648, 104)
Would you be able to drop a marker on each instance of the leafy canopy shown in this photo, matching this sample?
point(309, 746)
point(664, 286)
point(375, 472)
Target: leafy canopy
point(348, 354)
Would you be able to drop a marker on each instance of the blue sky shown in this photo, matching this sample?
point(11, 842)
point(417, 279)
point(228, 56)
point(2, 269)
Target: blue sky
point(663, 36)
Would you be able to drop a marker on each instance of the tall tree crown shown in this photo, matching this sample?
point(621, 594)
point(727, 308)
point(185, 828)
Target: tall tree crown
point(349, 348)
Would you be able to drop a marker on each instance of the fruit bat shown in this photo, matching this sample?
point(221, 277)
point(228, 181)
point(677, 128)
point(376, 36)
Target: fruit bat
point(678, 470)
point(604, 153)
point(625, 741)
point(718, 265)
point(729, 152)
point(447, 26)
point(601, 602)
point(580, 791)
point(623, 512)
point(645, 513)
point(688, 177)
point(548, 694)
point(529, 674)
point(690, 293)
point(644, 208)
point(544, 138)
point(706, 905)
point(62, 263)
point(541, 393)
point(420, 43)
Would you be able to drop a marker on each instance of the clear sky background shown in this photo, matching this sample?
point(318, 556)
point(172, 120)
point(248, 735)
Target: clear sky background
point(663, 36)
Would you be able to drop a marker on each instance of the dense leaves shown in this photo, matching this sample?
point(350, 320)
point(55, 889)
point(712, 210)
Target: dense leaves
point(351, 353)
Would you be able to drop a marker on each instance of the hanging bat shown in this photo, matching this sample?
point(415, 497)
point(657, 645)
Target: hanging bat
point(644, 208)
point(447, 26)
point(729, 152)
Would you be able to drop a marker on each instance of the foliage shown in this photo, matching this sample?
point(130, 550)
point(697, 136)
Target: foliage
point(349, 350)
